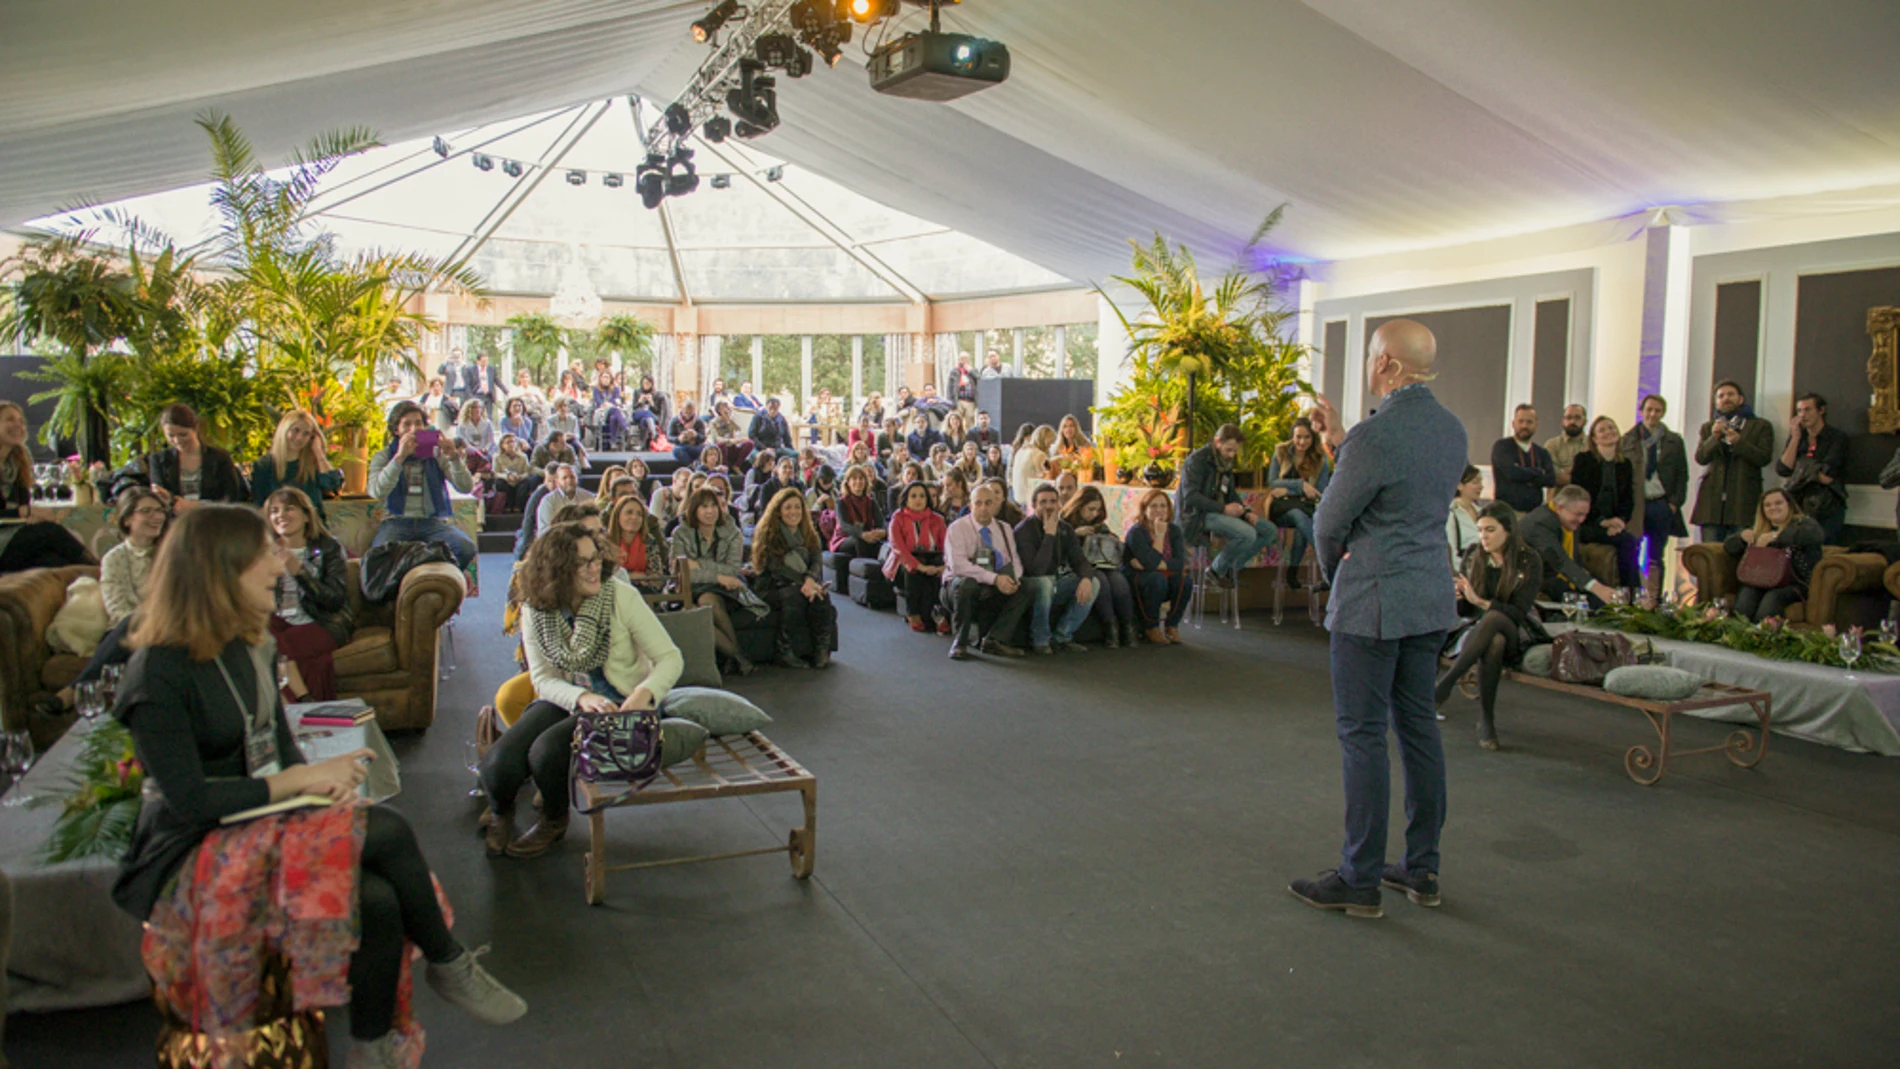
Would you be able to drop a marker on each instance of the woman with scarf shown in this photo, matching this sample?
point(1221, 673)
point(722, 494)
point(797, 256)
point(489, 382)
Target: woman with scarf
point(638, 543)
point(1497, 586)
point(789, 562)
point(860, 519)
point(593, 646)
point(713, 547)
point(916, 560)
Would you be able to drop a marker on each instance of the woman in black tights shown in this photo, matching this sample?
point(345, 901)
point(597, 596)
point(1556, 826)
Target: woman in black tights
point(1497, 588)
point(201, 702)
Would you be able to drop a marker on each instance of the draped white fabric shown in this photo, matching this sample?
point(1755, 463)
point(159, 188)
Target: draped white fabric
point(709, 350)
point(896, 355)
point(1193, 117)
point(946, 358)
point(666, 349)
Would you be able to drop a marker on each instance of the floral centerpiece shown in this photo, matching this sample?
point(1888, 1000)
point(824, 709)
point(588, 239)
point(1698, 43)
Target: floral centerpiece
point(1771, 639)
point(102, 802)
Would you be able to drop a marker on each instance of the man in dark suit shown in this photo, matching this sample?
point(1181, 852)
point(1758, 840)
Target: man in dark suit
point(1380, 533)
point(1520, 467)
point(485, 385)
point(454, 373)
point(1551, 530)
point(1814, 463)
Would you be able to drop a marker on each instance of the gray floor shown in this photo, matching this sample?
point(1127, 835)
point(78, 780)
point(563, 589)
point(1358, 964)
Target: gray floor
point(1082, 861)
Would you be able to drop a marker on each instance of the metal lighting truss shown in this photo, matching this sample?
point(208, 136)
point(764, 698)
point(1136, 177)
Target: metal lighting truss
point(705, 94)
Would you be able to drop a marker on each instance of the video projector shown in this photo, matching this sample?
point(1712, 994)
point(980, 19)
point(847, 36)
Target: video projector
point(932, 65)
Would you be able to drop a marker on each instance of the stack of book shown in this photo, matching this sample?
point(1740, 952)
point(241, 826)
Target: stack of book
point(344, 714)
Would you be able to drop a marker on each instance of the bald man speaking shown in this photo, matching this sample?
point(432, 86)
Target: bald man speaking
point(1380, 534)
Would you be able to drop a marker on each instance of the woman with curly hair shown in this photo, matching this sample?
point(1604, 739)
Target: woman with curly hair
point(639, 546)
point(788, 560)
point(593, 646)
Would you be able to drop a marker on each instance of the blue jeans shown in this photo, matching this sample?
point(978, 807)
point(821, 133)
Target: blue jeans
point(1117, 601)
point(1302, 523)
point(687, 455)
point(427, 529)
point(1658, 518)
point(1046, 591)
point(1152, 590)
point(1377, 682)
point(1244, 540)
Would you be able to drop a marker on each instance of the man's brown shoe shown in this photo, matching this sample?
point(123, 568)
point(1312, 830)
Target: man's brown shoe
point(1155, 637)
point(539, 839)
point(1174, 634)
point(498, 832)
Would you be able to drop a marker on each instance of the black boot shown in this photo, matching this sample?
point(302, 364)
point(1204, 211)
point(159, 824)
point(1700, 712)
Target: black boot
point(821, 639)
point(783, 655)
point(1130, 634)
point(1111, 636)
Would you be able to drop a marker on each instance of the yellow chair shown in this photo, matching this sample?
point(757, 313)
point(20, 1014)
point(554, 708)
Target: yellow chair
point(512, 697)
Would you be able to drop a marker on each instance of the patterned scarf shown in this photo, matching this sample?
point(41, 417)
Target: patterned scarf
point(579, 645)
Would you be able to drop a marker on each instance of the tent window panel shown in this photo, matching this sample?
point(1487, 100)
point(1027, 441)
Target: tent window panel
point(1083, 342)
point(1039, 352)
point(783, 368)
point(831, 365)
point(873, 364)
point(735, 360)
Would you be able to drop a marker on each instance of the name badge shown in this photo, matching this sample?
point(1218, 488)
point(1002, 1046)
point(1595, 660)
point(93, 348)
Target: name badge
point(985, 558)
point(260, 753)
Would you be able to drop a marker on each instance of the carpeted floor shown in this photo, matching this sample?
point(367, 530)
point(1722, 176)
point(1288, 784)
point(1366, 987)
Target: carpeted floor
point(1082, 861)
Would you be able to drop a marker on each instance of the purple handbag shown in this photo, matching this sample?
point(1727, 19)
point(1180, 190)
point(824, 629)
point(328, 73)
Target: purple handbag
point(614, 748)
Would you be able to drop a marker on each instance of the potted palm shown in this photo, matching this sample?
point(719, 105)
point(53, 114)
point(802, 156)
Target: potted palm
point(81, 301)
point(627, 337)
point(537, 344)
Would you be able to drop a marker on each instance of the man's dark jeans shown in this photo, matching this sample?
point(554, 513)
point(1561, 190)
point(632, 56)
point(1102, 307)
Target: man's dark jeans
point(971, 602)
point(1377, 682)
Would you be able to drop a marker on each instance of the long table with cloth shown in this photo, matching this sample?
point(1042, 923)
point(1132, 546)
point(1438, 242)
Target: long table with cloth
point(72, 946)
point(1856, 711)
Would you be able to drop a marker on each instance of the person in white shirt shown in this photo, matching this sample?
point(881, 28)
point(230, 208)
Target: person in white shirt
point(567, 491)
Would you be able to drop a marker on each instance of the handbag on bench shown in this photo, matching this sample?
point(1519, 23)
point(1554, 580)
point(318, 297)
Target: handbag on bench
point(616, 747)
point(1587, 658)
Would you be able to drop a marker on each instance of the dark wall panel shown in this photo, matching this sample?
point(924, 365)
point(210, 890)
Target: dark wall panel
point(1333, 344)
point(15, 387)
point(1474, 351)
point(1737, 339)
point(1550, 360)
point(1831, 347)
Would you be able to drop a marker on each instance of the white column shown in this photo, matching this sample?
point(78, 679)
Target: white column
point(1111, 350)
point(758, 362)
point(1017, 340)
point(1666, 316)
point(857, 374)
point(804, 371)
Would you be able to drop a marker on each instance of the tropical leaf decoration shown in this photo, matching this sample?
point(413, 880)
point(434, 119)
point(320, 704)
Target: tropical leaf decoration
point(538, 338)
point(100, 802)
point(1771, 639)
point(627, 335)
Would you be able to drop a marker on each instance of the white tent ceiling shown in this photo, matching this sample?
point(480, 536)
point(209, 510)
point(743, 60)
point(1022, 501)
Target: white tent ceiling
point(1386, 124)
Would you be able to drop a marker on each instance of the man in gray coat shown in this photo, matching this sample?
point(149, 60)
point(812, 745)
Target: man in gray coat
point(1380, 534)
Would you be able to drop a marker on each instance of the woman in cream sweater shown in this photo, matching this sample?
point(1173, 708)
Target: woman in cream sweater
point(593, 646)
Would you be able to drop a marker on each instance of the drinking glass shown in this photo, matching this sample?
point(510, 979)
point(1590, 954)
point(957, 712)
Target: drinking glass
point(90, 698)
point(1850, 647)
point(16, 756)
point(1889, 630)
point(472, 758)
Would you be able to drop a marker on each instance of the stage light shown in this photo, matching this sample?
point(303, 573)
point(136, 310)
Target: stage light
point(749, 131)
point(650, 179)
point(704, 29)
point(868, 11)
point(800, 64)
point(612, 181)
point(775, 50)
point(755, 100)
point(722, 181)
point(773, 174)
point(717, 129)
point(681, 177)
point(441, 148)
point(679, 121)
point(484, 163)
point(511, 168)
point(831, 46)
point(577, 178)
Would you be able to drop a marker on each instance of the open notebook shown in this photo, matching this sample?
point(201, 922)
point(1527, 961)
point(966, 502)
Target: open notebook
point(300, 801)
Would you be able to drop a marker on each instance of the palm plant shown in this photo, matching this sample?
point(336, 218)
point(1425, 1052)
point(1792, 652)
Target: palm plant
point(626, 335)
point(81, 301)
point(537, 343)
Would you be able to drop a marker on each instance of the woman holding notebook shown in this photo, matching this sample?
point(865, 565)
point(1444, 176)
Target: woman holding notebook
point(340, 888)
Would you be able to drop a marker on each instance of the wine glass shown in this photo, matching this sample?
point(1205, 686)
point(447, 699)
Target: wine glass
point(90, 698)
point(472, 758)
point(16, 756)
point(1850, 646)
point(1889, 630)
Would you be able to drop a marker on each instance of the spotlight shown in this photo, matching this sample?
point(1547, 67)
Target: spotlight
point(748, 131)
point(511, 168)
point(830, 44)
point(722, 181)
point(484, 163)
point(773, 174)
point(650, 179)
point(800, 64)
point(755, 100)
point(868, 11)
point(577, 178)
point(442, 148)
point(681, 177)
point(717, 129)
point(704, 29)
point(612, 181)
point(679, 121)
point(775, 50)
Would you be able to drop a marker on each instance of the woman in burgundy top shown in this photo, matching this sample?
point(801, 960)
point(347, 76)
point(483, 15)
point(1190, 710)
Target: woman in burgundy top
point(917, 541)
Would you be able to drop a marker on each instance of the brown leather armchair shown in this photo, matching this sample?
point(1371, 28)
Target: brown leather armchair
point(390, 661)
point(1846, 589)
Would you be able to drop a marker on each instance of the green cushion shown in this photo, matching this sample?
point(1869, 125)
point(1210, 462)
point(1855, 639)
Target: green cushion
point(679, 740)
point(1537, 660)
point(1654, 682)
point(692, 632)
point(720, 712)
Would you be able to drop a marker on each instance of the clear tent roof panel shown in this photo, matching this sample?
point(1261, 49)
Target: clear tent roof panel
point(950, 262)
point(804, 275)
point(530, 267)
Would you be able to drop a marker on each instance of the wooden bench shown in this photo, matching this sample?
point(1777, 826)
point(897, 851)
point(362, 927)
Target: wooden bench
point(1646, 766)
point(728, 766)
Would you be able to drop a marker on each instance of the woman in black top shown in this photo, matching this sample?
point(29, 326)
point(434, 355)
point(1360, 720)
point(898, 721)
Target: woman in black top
point(1779, 524)
point(40, 541)
point(1616, 507)
point(313, 595)
point(209, 730)
point(788, 562)
point(189, 470)
point(1497, 588)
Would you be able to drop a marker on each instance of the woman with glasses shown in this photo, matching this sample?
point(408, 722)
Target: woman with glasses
point(298, 457)
point(593, 646)
point(142, 518)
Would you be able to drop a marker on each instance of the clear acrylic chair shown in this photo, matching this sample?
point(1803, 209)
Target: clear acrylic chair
point(1226, 599)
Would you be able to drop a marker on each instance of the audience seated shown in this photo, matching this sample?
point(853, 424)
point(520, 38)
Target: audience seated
point(41, 542)
point(567, 491)
point(313, 618)
point(953, 495)
point(713, 548)
point(954, 433)
point(439, 406)
point(860, 530)
point(1027, 463)
point(514, 475)
point(983, 579)
point(687, 432)
point(922, 436)
point(994, 466)
point(208, 753)
point(1086, 513)
point(534, 401)
point(916, 560)
point(670, 497)
point(873, 408)
point(298, 458)
point(784, 477)
point(518, 421)
point(1498, 581)
point(889, 439)
point(788, 562)
point(1061, 582)
point(727, 432)
point(556, 450)
point(746, 401)
point(1066, 484)
point(561, 421)
point(414, 487)
point(1073, 448)
point(142, 518)
point(910, 472)
point(593, 646)
point(524, 535)
point(821, 493)
point(1616, 508)
point(1155, 557)
point(983, 434)
point(1461, 527)
point(638, 544)
point(1551, 531)
point(608, 417)
point(1296, 477)
point(187, 470)
point(1209, 505)
point(1006, 510)
point(475, 430)
point(1780, 525)
point(768, 430)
